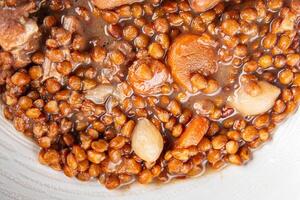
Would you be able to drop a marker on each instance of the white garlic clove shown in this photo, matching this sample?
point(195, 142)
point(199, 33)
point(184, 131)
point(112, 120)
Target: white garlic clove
point(255, 105)
point(147, 141)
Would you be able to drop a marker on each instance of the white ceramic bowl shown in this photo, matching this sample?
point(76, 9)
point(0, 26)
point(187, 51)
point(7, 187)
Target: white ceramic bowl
point(273, 174)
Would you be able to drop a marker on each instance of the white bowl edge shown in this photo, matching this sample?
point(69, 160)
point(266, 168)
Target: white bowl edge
point(272, 174)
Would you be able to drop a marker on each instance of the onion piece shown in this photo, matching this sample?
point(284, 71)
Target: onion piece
point(101, 93)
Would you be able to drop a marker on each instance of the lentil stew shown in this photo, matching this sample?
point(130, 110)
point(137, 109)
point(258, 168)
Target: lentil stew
point(148, 91)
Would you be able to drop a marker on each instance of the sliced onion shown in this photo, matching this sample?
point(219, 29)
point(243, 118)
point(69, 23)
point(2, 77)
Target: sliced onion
point(100, 94)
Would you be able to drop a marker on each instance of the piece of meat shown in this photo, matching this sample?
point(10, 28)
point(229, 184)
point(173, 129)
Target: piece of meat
point(16, 29)
point(146, 76)
point(18, 33)
point(189, 54)
point(110, 4)
point(203, 5)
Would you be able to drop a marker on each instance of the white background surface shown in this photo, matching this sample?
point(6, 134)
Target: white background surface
point(273, 174)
